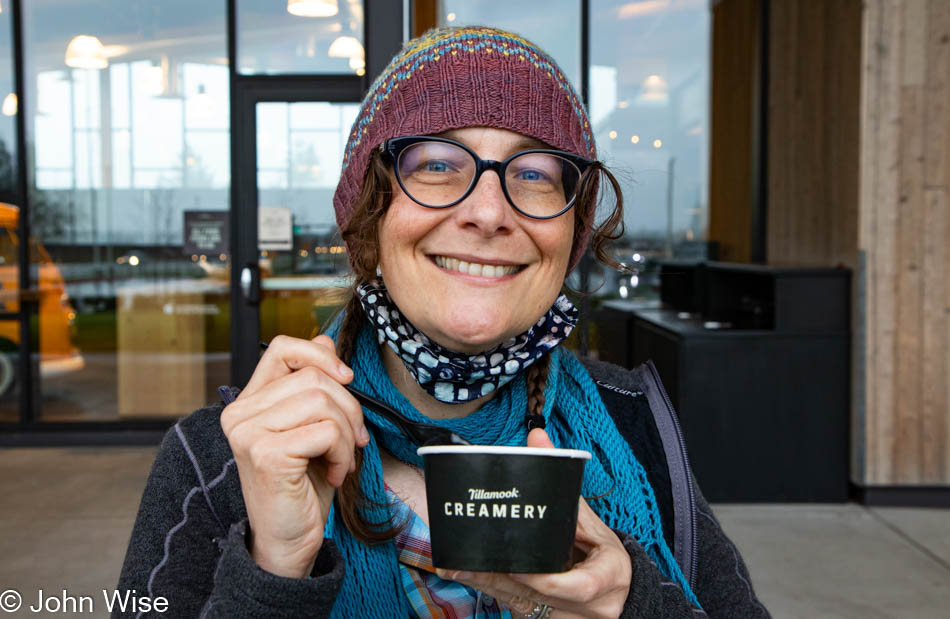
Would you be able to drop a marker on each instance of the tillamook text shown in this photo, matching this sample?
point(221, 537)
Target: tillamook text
point(469, 509)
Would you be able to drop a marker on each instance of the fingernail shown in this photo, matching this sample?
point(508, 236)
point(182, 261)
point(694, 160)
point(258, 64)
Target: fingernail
point(344, 370)
point(364, 434)
point(462, 576)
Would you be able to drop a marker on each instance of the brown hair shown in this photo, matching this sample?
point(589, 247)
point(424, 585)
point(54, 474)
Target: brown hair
point(361, 237)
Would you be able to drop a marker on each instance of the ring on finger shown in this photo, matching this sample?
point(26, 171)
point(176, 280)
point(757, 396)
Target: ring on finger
point(540, 611)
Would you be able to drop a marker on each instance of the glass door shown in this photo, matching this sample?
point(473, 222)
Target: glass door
point(290, 268)
point(301, 258)
point(296, 88)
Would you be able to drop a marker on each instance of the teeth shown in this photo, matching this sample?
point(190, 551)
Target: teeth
point(474, 268)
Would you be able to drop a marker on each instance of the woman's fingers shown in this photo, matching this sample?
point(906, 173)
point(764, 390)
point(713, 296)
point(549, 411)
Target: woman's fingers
point(288, 354)
point(596, 538)
point(320, 392)
point(587, 581)
point(516, 596)
point(293, 431)
point(325, 439)
point(300, 410)
point(597, 587)
point(539, 438)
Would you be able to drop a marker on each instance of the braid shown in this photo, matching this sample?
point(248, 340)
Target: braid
point(349, 330)
point(350, 498)
point(537, 378)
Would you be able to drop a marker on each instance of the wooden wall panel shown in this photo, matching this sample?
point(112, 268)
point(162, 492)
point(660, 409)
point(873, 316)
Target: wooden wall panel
point(813, 132)
point(733, 164)
point(880, 131)
point(424, 15)
point(906, 406)
point(859, 174)
point(904, 232)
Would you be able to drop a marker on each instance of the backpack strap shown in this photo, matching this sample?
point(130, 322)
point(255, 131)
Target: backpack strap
point(640, 408)
point(684, 499)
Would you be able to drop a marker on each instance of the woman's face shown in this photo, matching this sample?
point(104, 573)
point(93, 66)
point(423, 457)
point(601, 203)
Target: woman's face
point(421, 247)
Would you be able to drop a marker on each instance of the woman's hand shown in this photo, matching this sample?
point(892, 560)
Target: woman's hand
point(595, 587)
point(293, 431)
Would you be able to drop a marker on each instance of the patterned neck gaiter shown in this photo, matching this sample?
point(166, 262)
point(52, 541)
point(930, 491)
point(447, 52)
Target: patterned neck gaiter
point(453, 377)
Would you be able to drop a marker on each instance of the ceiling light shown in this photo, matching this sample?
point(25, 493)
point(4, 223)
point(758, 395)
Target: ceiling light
point(313, 8)
point(86, 52)
point(9, 106)
point(654, 89)
point(345, 47)
point(642, 9)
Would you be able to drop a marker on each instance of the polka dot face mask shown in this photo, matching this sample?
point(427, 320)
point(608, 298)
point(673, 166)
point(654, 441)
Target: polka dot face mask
point(453, 377)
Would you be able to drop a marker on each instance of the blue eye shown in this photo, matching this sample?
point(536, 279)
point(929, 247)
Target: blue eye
point(530, 175)
point(436, 166)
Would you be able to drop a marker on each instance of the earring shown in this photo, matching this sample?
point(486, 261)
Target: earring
point(379, 271)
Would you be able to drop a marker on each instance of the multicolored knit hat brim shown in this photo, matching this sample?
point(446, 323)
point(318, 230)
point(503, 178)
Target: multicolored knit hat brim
point(452, 78)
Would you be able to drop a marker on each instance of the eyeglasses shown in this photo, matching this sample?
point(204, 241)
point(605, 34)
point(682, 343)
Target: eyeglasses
point(439, 173)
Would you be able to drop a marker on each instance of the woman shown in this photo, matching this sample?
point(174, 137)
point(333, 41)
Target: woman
point(467, 195)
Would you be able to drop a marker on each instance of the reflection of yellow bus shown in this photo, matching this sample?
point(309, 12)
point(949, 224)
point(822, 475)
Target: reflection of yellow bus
point(56, 314)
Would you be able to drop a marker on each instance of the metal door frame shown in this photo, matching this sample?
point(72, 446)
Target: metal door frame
point(382, 34)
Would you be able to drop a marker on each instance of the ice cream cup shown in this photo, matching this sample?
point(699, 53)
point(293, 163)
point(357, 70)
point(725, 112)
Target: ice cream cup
point(502, 509)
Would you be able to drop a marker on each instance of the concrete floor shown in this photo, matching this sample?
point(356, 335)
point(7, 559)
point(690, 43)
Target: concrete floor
point(66, 516)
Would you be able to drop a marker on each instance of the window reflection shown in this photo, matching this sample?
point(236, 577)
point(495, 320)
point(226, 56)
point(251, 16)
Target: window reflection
point(300, 36)
point(130, 169)
point(9, 106)
point(303, 262)
point(58, 354)
point(553, 25)
point(649, 101)
point(9, 368)
point(9, 304)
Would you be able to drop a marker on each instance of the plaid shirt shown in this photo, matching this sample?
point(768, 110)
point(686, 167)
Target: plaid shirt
point(429, 595)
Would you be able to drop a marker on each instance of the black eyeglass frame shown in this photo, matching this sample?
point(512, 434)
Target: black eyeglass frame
point(395, 146)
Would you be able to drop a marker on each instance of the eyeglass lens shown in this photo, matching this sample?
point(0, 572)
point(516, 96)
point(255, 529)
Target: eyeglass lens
point(438, 174)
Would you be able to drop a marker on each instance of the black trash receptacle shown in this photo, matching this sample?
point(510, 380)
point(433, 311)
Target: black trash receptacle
point(759, 376)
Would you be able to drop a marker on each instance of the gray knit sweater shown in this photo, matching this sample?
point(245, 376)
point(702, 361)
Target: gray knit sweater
point(188, 543)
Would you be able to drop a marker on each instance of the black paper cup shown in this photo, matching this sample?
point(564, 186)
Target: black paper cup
point(502, 509)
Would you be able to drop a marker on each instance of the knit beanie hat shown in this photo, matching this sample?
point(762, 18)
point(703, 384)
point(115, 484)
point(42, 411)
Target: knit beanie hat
point(450, 78)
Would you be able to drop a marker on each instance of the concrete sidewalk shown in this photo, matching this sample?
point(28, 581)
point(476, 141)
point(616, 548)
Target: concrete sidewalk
point(67, 513)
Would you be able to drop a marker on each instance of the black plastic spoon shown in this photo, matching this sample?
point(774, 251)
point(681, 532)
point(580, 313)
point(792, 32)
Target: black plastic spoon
point(421, 434)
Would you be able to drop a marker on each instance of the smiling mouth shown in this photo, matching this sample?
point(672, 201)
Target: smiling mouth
point(474, 268)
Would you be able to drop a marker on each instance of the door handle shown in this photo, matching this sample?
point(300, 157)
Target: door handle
point(251, 284)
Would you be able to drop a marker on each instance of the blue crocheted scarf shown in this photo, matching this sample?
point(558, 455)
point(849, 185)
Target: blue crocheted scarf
point(576, 418)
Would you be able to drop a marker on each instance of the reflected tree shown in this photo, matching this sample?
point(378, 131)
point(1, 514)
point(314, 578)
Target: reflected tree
point(7, 168)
